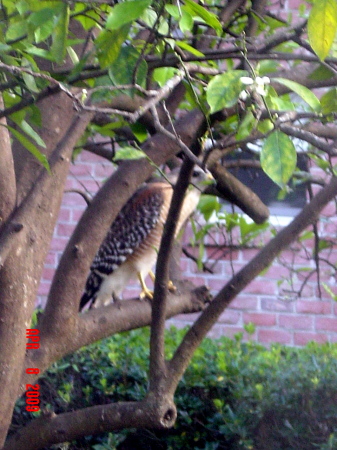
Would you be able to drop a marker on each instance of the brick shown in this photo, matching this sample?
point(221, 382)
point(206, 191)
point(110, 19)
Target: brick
point(58, 244)
point(216, 283)
point(88, 157)
point(222, 253)
point(264, 287)
point(64, 230)
point(230, 317)
point(248, 254)
point(74, 200)
point(324, 293)
point(102, 171)
point(274, 336)
point(302, 338)
point(51, 260)
point(326, 323)
point(274, 304)
point(48, 274)
point(313, 307)
point(276, 272)
point(307, 291)
point(188, 318)
point(44, 288)
point(228, 331)
point(296, 322)
point(76, 214)
point(244, 302)
point(82, 170)
point(260, 319)
point(64, 215)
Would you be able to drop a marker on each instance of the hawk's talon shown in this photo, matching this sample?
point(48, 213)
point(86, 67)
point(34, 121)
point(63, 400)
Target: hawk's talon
point(171, 287)
point(146, 293)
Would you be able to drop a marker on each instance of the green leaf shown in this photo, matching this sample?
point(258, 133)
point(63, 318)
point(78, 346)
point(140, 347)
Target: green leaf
point(30, 147)
point(186, 21)
point(246, 126)
point(330, 292)
point(151, 19)
point(32, 133)
point(189, 48)
point(30, 82)
point(41, 52)
point(209, 18)
point(322, 26)
point(88, 19)
point(58, 48)
point(250, 329)
point(162, 74)
point(109, 43)
point(307, 235)
point(305, 93)
point(223, 90)
point(42, 22)
point(208, 204)
point(329, 101)
point(321, 73)
point(126, 12)
point(128, 68)
point(16, 30)
point(140, 131)
point(174, 11)
point(278, 157)
point(129, 153)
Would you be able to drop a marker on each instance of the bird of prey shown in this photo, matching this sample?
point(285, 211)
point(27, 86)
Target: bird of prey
point(130, 248)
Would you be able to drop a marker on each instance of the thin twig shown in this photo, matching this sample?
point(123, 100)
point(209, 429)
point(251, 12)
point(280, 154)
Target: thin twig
point(162, 93)
point(159, 127)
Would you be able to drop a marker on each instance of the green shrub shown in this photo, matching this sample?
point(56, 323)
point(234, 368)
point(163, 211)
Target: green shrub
point(234, 395)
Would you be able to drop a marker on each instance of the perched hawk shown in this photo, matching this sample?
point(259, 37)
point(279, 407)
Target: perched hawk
point(130, 247)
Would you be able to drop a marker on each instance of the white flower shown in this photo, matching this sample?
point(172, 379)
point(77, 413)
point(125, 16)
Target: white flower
point(247, 80)
point(258, 85)
point(261, 85)
point(243, 95)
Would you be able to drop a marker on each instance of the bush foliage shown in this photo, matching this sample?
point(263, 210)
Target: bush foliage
point(234, 395)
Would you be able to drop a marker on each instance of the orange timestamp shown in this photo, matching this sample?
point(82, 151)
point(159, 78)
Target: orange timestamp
point(32, 390)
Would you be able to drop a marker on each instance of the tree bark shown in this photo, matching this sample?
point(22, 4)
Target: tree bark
point(21, 272)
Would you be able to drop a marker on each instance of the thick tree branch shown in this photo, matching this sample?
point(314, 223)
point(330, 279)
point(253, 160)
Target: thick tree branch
point(159, 306)
point(121, 316)
point(309, 137)
point(236, 192)
point(22, 270)
point(52, 429)
point(7, 174)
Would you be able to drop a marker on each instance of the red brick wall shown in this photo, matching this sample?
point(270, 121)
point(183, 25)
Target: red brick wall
point(264, 302)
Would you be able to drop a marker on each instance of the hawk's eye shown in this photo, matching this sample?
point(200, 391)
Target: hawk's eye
point(197, 173)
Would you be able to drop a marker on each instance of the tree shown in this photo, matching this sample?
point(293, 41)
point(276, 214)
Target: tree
point(127, 70)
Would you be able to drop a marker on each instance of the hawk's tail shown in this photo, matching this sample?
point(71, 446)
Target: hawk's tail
point(91, 288)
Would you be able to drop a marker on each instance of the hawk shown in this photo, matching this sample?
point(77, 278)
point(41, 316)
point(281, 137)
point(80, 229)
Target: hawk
point(129, 250)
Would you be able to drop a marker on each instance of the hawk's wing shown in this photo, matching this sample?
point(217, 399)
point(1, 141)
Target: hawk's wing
point(132, 225)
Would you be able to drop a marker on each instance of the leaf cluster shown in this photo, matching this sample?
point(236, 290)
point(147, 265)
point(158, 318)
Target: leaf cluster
point(234, 395)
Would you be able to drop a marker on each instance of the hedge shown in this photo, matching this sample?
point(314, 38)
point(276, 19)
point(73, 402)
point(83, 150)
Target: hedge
point(234, 395)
